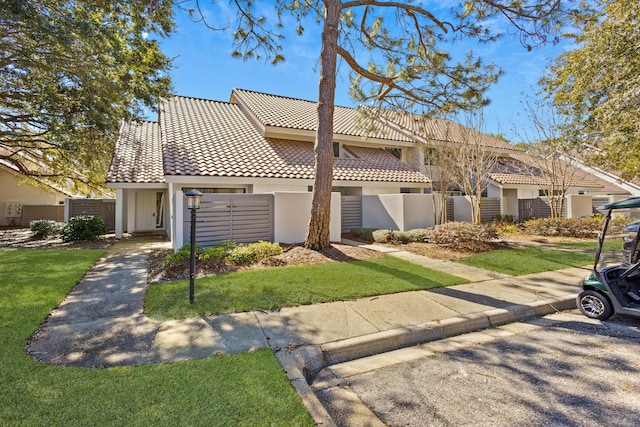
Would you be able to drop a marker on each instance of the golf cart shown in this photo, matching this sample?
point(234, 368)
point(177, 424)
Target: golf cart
point(613, 288)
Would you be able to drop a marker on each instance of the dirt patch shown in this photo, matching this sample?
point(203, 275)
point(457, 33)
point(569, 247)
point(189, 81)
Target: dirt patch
point(291, 255)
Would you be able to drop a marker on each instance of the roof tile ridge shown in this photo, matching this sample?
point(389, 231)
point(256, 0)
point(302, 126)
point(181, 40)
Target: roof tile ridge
point(196, 98)
point(292, 98)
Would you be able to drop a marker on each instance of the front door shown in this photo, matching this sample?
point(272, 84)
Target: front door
point(145, 210)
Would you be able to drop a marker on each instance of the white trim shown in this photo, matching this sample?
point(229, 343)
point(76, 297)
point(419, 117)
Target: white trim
point(67, 207)
point(172, 232)
point(178, 237)
point(131, 211)
point(119, 213)
point(137, 185)
point(245, 182)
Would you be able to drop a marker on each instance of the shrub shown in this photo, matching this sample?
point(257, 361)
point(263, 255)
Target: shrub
point(464, 236)
point(83, 227)
point(397, 237)
point(216, 254)
point(225, 252)
point(384, 236)
point(182, 255)
point(42, 228)
point(363, 233)
point(253, 252)
point(586, 227)
point(504, 219)
point(506, 229)
point(419, 235)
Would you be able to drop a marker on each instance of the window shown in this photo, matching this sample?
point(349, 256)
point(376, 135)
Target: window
point(221, 190)
point(431, 157)
point(547, 193)
point(342, 152)
point(395, 152)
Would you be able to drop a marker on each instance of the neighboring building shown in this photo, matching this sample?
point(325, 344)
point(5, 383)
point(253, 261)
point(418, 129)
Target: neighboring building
point(253, 158)
point(23, 200)
point(27, 198)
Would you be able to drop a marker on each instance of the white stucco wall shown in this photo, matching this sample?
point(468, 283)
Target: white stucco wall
point(291, 216)
point(578, 206)
point(494, 191)
point(462, 209)
point(270, 188)
point(380, 190)
point(397, 211)
point(418, 211)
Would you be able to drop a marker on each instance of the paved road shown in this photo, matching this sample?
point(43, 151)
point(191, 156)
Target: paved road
point(571, 371)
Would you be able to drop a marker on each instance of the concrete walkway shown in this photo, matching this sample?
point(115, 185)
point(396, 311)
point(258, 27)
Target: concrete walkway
point(101, 322)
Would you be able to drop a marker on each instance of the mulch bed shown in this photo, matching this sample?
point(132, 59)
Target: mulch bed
point(291, 255)
point(23, 238)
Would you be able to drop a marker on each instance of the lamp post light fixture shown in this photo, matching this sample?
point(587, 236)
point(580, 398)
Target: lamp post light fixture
point(193, 203)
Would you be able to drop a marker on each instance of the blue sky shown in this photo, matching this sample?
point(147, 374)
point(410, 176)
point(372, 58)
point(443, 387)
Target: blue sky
point(204, 68)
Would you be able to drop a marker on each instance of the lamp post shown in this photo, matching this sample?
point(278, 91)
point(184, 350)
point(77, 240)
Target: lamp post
point(193, 203)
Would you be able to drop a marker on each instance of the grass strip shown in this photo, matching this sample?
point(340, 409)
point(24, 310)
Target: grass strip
point(610, 245)
point(236, 390)
point(518, 262)
point(268, 289)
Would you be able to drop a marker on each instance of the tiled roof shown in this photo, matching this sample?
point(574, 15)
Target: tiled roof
point(521, 169)
point(292, 113)
point(210, 138)
point(138, 154)
point(443, 130)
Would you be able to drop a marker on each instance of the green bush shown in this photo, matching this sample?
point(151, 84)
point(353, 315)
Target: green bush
point(253, 252)
point(225, 252)
point(217, 254)
point(42, 228)
point(464, 236)
point(182, 255)
point(83, 227)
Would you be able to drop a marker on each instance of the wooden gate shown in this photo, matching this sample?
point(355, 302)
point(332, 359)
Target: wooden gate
point(351, 213)
point(536, 208)
point(105, 208)
point(241, 218)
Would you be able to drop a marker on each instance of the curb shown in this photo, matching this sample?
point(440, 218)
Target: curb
point(382, 342)
point(302, 364)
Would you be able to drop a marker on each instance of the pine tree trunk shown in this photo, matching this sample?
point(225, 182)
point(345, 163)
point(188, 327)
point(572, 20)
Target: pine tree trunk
point(318, 232)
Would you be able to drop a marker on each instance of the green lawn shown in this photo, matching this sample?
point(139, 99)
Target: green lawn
point(246, 389)
point(517, 262)
point(610, 245)
point(290, 286)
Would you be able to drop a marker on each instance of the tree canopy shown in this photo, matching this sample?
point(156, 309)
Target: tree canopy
point(400, 57)
point(597, 85)
point(70, 72)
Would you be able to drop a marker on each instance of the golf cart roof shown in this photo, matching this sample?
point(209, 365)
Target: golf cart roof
point(631, 202)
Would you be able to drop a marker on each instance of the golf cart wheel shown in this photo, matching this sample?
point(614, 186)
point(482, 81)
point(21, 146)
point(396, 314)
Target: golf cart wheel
point(595, 305)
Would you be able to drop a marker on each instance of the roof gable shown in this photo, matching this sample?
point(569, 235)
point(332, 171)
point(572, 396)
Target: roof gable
point(279, 116)
point(138, 154)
